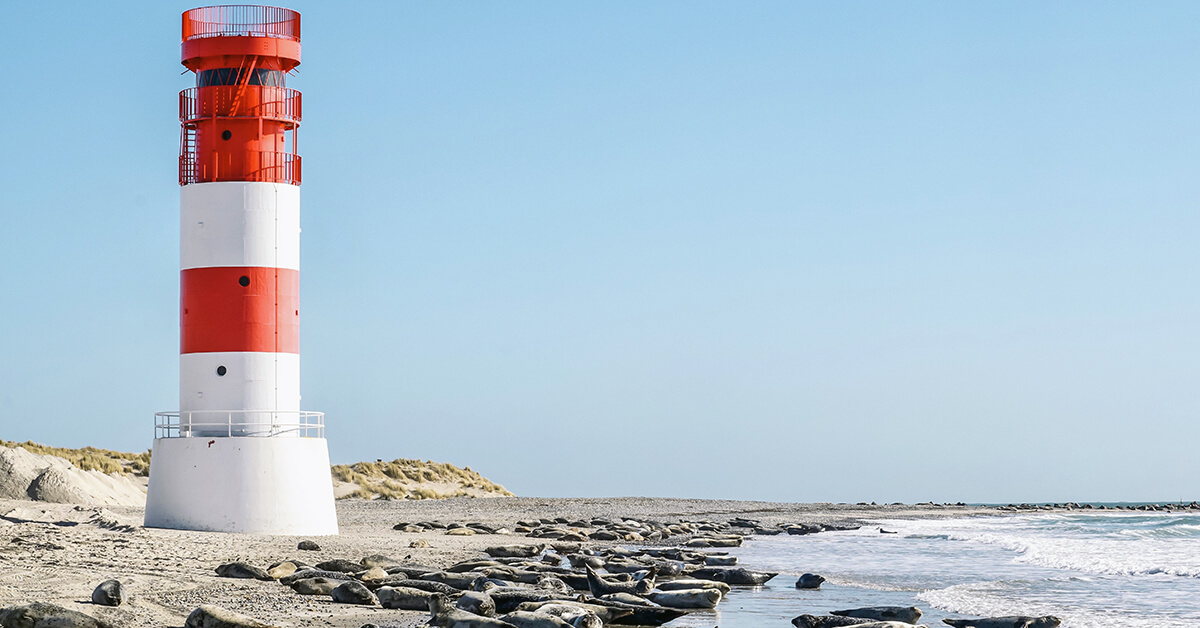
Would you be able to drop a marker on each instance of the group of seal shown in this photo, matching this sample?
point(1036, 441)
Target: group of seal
point(543, 585)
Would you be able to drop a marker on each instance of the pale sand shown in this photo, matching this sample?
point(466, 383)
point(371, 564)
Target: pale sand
point(169, 573)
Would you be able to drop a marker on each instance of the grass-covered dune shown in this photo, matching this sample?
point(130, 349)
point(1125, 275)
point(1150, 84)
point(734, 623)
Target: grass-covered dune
point(411, 479)
point(398, 479)
point(90, 458)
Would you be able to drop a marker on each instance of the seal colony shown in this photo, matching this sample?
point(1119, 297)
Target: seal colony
point(519, 561)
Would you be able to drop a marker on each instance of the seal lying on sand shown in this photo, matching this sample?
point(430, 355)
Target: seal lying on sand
point(691, 583)
point(906, 614)
point(526, 619)
point(316, 586)
point(404, 598)
point(827, 621)
point(577, 615)
point(737, 576)
point(686, 598)
point(445, 615)
point(600, 587)
point(1011, 621)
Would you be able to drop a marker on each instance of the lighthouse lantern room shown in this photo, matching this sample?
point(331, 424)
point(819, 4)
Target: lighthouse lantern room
point(240, 455)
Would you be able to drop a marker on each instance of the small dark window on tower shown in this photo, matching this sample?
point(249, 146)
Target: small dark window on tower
point(221, 371)
point(244, 281)
point(226, 134)
point(233, 76)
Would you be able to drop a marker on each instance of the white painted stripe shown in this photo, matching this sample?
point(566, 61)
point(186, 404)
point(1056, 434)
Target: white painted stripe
point(239, 223)
point(252, 381)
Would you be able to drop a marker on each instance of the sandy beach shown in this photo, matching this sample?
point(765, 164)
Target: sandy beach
point(58, 553)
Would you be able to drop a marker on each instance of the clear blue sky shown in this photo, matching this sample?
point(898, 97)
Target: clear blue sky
point(776, 250)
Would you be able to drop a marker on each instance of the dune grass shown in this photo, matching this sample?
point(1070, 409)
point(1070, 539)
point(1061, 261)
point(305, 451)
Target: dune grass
point(398, 479)
point(91, 458)
point(409, 479)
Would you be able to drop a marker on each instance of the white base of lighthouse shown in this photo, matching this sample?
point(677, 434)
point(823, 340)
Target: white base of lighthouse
point(245, 485)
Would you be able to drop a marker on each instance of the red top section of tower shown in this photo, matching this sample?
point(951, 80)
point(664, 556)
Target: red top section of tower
point(210, 33)
point(241, 20)
point(239, 123)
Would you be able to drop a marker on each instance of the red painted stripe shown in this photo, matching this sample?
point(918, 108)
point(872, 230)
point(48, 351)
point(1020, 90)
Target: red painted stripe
point(218, 313)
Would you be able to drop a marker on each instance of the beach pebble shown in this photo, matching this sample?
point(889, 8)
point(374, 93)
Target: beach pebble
point(211, 616)
point(353, 593)
point(109, 593)
point(39, 614)
point(242, 570)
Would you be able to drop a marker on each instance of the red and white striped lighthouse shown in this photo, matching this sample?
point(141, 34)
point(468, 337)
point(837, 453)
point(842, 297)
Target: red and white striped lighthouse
point(240, 455)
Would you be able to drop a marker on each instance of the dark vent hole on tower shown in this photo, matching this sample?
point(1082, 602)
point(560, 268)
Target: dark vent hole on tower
point(221, 371)
point(244, 281)
point(226, 134)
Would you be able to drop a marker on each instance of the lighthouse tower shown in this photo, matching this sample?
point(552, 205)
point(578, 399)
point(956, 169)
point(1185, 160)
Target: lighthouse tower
point(240, 455)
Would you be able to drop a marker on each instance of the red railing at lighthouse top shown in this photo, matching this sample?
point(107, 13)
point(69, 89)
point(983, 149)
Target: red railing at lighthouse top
point(273, 103)
point(241, 20)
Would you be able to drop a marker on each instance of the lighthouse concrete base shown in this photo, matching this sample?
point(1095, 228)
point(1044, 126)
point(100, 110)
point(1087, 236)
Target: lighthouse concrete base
point(248, 485)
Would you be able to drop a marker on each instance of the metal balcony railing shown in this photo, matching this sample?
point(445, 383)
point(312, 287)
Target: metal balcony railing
point(247, 423)
point(256, 101)
point(250, 165)
point(241, 20)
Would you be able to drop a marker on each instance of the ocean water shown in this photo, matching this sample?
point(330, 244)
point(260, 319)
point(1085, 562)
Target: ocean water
point(1092, 570)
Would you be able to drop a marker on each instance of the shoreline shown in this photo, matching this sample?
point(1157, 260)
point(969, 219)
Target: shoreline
point(58, 553)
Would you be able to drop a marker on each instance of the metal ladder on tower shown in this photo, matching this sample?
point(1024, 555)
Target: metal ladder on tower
point(187, 156)
point(243, 81)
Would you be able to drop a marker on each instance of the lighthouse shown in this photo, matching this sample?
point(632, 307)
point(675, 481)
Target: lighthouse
point(240, 455)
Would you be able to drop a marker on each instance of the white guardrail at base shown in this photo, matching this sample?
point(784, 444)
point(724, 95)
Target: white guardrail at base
point(255, 423)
